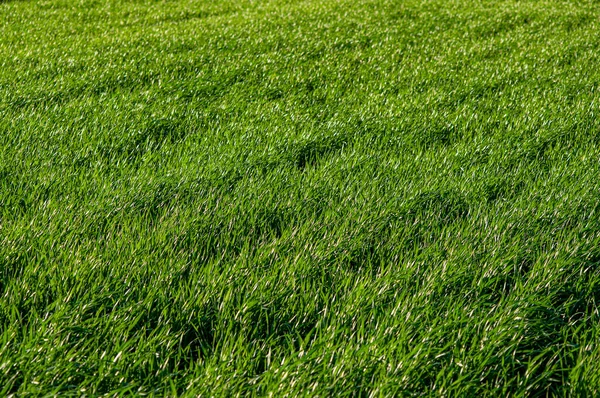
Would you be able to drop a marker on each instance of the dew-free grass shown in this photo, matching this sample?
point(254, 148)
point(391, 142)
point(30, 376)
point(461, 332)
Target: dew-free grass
point(299, 198)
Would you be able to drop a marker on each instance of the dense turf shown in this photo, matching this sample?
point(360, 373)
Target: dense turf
point(362, 197)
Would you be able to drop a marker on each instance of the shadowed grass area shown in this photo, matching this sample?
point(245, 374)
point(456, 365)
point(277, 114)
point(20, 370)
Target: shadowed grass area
point(292, 198)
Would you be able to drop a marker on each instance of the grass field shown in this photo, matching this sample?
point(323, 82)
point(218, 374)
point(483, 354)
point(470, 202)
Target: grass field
point(299, 198)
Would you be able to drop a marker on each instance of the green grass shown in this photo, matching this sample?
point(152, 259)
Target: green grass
point(292, 198)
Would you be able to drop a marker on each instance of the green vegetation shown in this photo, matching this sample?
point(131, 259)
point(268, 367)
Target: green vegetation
point(366, 197)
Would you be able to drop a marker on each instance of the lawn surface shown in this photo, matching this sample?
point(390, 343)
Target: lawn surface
point(319, 197)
